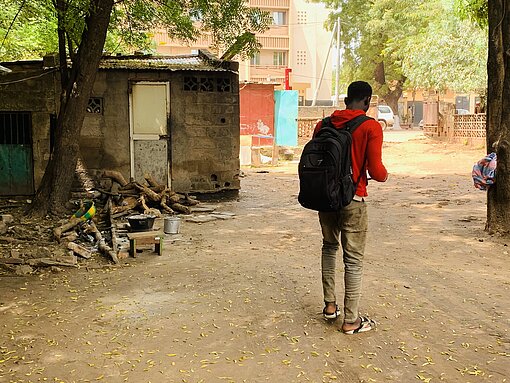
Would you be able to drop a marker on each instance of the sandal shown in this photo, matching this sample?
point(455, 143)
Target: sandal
point(334, 315)
point(365, 325)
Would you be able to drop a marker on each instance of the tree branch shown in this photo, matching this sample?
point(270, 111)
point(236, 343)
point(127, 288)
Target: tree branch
point(12, 23)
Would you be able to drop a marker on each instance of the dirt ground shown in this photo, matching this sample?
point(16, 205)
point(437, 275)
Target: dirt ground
point(240, 300)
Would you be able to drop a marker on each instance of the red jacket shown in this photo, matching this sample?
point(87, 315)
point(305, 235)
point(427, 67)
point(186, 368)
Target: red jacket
point(367, 141)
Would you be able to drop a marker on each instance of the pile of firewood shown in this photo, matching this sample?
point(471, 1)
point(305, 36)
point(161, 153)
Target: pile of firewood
point(123, 198)
point(150, 198)
point(71, 231)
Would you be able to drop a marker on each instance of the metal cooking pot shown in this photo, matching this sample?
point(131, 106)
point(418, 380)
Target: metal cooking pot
point(141, 222)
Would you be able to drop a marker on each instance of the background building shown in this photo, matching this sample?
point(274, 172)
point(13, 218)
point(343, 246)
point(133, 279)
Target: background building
point(297, 40)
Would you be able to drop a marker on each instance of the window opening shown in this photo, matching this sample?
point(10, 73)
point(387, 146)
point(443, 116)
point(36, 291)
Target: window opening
point(15, 128)
point(280, 58)
point(206, 84)
point(279, 18)
point(95, 105)
point(223, 85)
point(255, 59)
point(190, 83)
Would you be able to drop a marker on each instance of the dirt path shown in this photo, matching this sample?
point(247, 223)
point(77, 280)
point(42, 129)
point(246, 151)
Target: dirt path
point(240, 300)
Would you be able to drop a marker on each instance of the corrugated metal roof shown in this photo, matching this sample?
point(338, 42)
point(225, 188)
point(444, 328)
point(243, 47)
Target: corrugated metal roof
point(184, 62)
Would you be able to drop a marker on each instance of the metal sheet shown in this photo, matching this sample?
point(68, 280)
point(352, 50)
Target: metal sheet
point(286, 114)
point(16, 170)
point(151, 157)
point(256, 103)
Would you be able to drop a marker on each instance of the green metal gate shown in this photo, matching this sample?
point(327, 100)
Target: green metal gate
point(16, 169)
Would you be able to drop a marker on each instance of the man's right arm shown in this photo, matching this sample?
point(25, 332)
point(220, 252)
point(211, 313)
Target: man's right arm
point(376, 168)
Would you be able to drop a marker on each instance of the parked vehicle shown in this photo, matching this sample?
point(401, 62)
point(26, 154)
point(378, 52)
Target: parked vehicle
point(385, 116)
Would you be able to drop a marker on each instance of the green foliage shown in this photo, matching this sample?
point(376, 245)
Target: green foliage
point(22, 34)
point(34, 30)
point(475, 10)
point(417, 43)
point(454, 60)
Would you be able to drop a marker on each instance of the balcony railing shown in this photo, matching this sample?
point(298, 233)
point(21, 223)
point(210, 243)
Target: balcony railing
point(162, 38)
point(274, 42)
point(269, 3)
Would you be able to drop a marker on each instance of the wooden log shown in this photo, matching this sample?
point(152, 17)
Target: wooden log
point(153, 184)
point(153, 211)
point(108, 251)
point(69, 237)
point(128, 193)
point(102, 246)
point(180, 208)
point(92, 228)
point(190, 201)
point(11, 261)
point(38, 262)
point(142, 202)
point(128, 186)
point(74, 221)
point(79, 250)
point(153, 196)
point(129, 203)
point(120, 214)
point(166, 207)
point(115, 176)
point(109, 193)
point(173, 197)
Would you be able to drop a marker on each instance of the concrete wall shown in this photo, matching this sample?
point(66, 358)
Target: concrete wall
point(316, 111)
point(203, 126)
point(30, 88)
point(203, 129)
point(105, 139)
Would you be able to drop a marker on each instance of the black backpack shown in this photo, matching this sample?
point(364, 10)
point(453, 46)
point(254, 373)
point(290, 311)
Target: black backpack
point(325, 169)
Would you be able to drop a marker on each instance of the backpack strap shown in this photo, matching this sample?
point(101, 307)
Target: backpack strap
point(326, 123)
point(351, 126)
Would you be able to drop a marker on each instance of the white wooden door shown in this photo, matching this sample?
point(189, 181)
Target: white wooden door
point(149, 104)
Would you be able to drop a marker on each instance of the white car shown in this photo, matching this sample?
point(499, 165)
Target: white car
point(385, 116)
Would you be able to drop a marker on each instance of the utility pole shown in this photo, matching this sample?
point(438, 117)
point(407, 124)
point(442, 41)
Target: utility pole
point(337, 77)
point(325, 63)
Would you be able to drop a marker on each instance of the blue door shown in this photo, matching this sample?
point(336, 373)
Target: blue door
point(16, 170)
point(285, 117)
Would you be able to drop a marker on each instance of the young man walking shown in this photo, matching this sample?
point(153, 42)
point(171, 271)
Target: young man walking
point(349, 225)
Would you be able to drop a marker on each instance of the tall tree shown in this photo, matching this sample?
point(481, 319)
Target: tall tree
point(398, 44)
point(493, 17)
point(498, 115)
point(81, 28)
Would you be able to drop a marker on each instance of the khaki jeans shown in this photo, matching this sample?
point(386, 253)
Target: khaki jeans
point(350, 226)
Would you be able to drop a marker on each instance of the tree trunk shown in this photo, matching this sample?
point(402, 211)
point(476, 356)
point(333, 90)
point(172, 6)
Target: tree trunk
point(56, 184)
point(392, 98)
point(389, 93)
point(498, 116)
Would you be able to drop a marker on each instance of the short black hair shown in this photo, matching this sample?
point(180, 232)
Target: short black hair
point(357, 91)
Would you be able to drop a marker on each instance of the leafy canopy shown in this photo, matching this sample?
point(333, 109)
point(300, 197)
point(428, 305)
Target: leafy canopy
point(419, 43)
point(28, 28)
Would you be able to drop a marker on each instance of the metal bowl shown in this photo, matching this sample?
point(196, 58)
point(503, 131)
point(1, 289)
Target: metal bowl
point(141, 222)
